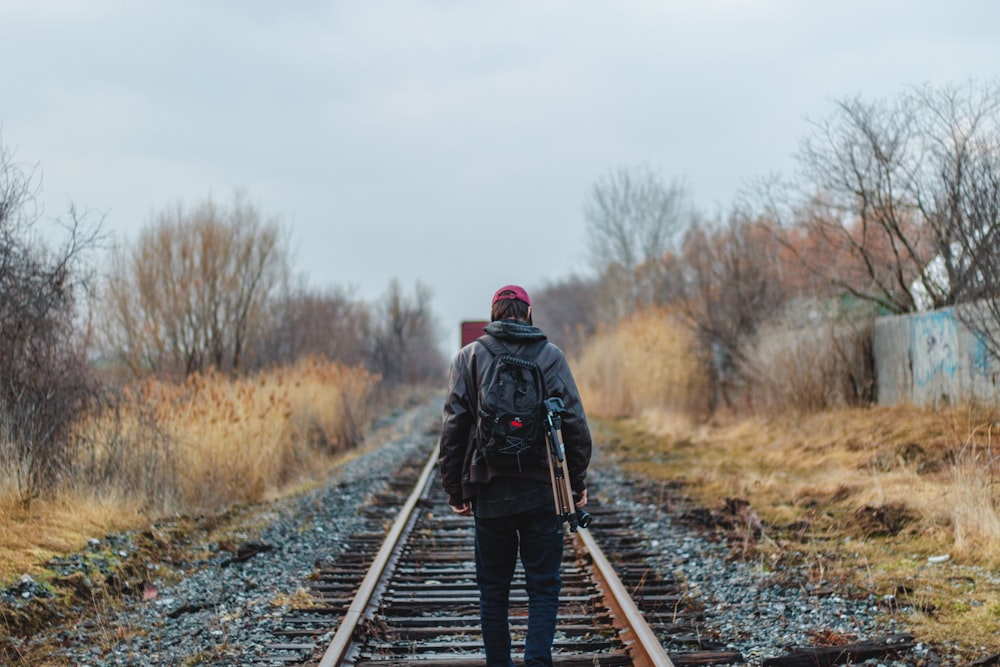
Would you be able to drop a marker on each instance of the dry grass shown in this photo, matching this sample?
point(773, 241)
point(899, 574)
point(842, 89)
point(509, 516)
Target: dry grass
point(300, 599)
point(821, 365)
point(650, 362)
point(875, 495)
point(192, 448)
point(31, 535)
point(862, 498)
point(839, 461)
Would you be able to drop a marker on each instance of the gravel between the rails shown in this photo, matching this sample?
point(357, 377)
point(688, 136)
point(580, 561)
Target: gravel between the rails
point(235, 607)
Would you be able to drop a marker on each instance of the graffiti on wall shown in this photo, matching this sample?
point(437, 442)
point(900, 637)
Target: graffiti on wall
point(935, 347)
point(934, 358)
point(981, 360)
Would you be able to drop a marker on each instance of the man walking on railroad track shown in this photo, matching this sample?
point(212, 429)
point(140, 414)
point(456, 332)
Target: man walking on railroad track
point(513, 505)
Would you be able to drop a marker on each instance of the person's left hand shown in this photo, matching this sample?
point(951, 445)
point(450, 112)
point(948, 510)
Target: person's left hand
point(581, 500)
point(465, 509)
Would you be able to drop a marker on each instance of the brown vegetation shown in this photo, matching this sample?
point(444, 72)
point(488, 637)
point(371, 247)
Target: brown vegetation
point(217, 383)
point(200, 446)
point(45, 378)
point(650, 362)
point(735, 349)
point(190, 294)
point(867, 499)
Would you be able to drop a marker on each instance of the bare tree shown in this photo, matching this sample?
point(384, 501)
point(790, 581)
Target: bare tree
point(190, 294)
point(956, 186)
point(735, 278)
point(633, 220)
point(855, 180)
point(304, 322)
point(45, 379)
point(959, 197)
point(567, 311)
point(903, 194)
point(903, 198)
point(403, 345)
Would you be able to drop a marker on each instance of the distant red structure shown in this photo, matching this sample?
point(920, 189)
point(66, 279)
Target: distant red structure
point(471, 330)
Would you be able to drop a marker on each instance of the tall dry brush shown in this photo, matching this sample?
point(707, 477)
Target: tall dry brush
point(45, 375)
point(650, 362)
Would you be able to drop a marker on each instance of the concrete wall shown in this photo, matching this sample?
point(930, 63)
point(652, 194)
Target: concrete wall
point(932, 359)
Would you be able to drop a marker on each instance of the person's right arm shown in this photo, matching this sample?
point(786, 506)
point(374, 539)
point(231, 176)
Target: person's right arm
point(575, 430)
point(456, 423)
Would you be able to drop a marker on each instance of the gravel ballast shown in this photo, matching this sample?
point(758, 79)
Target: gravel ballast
point(219, 608)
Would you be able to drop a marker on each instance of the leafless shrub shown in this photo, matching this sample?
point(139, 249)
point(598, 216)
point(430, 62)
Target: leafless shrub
point(634, 220)
point(190, 294)
point(735, 278)
point(125, 450)
point(45, 378)
point(403, 347)
point(307, 322)
point(567, 311)
point(811, 358)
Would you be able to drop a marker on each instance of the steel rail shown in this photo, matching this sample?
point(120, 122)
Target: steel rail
point(343, 638)
point(645, 648)
point(648, 651)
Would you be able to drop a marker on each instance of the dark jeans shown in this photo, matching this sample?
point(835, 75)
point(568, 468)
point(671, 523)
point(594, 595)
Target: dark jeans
point(539, 536)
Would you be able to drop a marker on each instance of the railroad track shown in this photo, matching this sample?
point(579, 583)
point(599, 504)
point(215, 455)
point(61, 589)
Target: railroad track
point(403, 593)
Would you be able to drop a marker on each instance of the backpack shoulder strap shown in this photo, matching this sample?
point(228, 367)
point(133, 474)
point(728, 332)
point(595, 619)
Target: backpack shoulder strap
point(493, 345)
point(498, 349)
point(526, 360)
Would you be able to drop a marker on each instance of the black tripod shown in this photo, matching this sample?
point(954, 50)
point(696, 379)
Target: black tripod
point(562, 492)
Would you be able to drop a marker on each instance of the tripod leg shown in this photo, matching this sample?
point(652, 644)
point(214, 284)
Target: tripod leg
point(556, 493)
point(567, 490)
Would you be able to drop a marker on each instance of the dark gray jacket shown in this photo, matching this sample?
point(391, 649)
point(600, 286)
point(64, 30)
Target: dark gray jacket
point(460, 463)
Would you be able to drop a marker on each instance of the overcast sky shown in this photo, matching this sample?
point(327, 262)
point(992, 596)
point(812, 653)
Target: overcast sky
point(448, 142)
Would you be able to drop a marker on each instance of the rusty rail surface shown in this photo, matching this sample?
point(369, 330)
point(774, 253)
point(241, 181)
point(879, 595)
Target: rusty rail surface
point(647, 651)
point(417, 603)
point(362, 603)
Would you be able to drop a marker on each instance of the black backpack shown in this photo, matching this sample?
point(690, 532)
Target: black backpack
point(509, 425)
